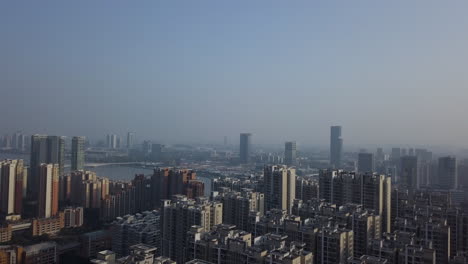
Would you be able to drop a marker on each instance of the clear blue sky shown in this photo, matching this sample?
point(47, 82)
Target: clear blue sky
point(387, 71)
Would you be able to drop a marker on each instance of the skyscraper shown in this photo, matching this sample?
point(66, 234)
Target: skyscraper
point(130, 140)
point(280, 187)
point(44, 149)
point(290, 153)
point(77, 154)
point(245, 148)
point(365, 162)
point(336, 146)
point(409, 172)
point(447, 173)
point(48, 192)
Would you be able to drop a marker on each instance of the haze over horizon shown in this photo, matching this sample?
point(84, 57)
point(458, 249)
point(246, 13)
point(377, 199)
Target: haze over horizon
point(388, 72)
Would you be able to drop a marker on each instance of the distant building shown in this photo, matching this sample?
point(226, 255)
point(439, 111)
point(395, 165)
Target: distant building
point(130, 140)
point(396, 155)
point(19, 141)
point(245, 148)
point(112, 141)
point(78, 153)
point(409, 172)
point(168, 182)
point(157, 151)
point(336, 147)
point(365, 162)
point(290, 154)
point(447, 173)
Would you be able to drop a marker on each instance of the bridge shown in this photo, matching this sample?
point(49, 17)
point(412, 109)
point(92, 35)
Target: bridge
point(94, 165)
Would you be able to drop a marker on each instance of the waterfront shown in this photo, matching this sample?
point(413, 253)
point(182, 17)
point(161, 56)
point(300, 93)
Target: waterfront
point(113, 172)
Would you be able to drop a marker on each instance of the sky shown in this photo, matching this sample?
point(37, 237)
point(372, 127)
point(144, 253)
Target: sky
point(389, 72)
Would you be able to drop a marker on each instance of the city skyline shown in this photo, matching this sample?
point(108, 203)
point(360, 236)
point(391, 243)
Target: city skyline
point(225, 132)
point(310, 56)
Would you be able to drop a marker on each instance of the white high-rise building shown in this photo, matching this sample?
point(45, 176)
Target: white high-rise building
point(280, 187)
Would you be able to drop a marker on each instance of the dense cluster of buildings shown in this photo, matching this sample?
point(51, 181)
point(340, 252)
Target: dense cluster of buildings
point(404, 207)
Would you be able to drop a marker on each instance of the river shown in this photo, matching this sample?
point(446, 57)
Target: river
point(114, 172)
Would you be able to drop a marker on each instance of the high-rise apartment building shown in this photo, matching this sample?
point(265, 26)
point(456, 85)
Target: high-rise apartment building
point(87, 189)
point(237, 207)
point(334, 245)
point(447, 173)
point(130, 230)
point(370, 190)
point(168, 182)
point(365, 162)
point(280, 187)
point(178, 216)
point(336, 147)
point(290, 154)
point(73, 217)
point(48, 190)
point(77, 154)
point(44, 149)
point(245, 147)
point(306, 188)
point(12, 173)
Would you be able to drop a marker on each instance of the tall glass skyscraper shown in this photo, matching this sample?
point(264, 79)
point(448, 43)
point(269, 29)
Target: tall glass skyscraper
point(77, 154)
point(290, 153)
point(245, 147)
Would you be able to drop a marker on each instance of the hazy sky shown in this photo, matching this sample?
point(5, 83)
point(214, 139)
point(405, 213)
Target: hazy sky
point(387, 71)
